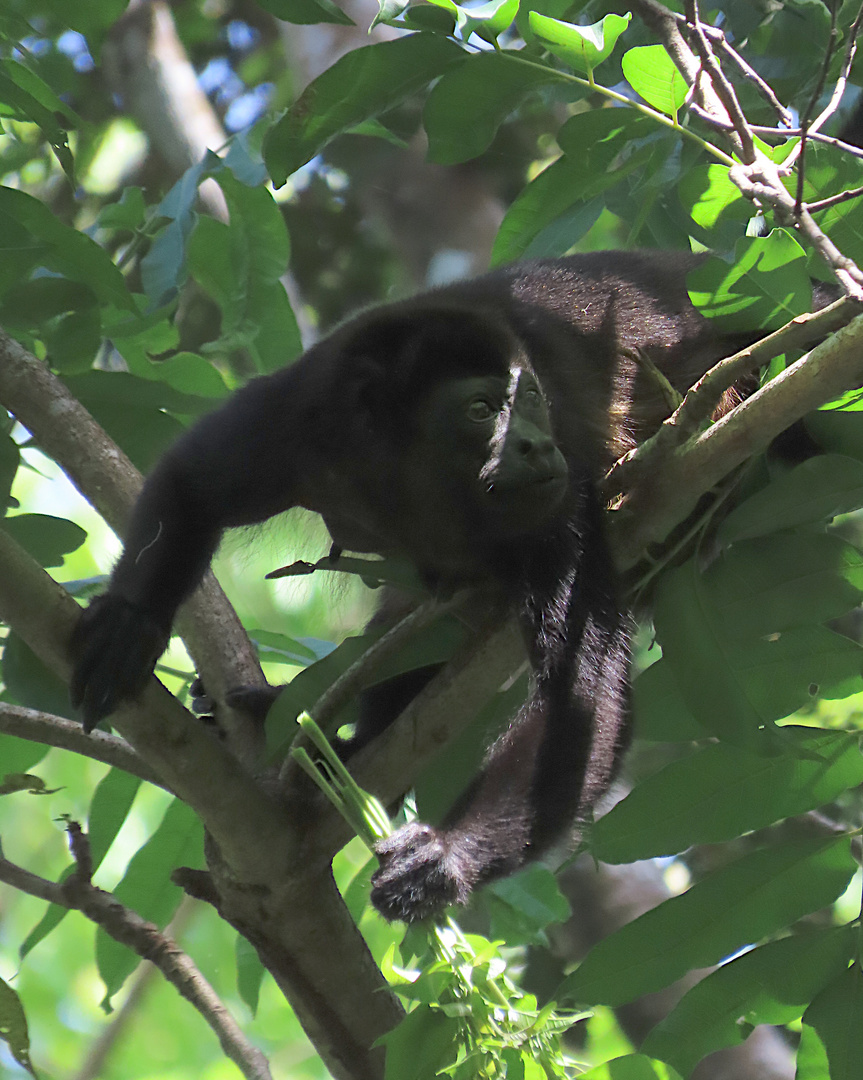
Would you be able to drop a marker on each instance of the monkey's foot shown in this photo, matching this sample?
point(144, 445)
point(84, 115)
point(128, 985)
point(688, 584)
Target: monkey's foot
point(420, 873)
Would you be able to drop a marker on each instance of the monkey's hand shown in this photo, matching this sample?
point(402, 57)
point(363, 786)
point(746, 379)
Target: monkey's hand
point(420, 873)
point(115, 647)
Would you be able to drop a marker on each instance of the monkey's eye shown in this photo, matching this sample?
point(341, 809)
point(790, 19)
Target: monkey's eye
point(480, 410)
point(533, 397)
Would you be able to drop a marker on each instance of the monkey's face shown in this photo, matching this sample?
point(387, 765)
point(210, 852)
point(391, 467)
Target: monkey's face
point(484, 455)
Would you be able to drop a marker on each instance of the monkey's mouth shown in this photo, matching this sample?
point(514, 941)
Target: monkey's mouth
point(523, 506)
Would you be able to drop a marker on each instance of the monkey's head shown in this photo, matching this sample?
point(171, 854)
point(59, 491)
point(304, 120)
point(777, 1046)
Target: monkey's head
point(453, 399)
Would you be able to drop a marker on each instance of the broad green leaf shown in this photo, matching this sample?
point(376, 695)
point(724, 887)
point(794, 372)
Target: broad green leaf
point(812, 1063)
point(734, 686)
point(699, 657)
point(20, 755)
point(432, 16)
point(593, 143)
point(744, 902)
point(836, 1016)
point(769, 985)
point(127, 213)
point(10, 458)
point(133, 412)
point(16, 83)
point(46, 538)
point(28, 681)
point(307, 12)
point(13, 1027)
point(661, 714)
point(360, 85)
point(522, 906)
point(423, 1043)
point(775, 583)
point(722, 791)
point(489, 20)
point(146, 887)
point(766, 285)
point(494, 83)
point(837, 432)
point(651, 73)
point(109, 808)
point(250, 973)
point(815, 491)
point(388, 11)
point(630, 1067)
point(63, 249)
point(260, 315)
point(582, 47)
point(710, 197)
point(190, 374)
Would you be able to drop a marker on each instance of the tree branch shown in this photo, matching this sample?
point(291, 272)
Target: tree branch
point(145, 939)
point(664, 489)
point(67, 735)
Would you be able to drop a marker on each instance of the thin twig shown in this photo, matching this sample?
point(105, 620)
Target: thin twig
point(749, 73)
point(148, 942)
point(722, 87)
point(68, 735)
point(800, 149)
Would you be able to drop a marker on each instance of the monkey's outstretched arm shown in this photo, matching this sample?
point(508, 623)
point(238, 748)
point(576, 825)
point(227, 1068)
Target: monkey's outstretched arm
point(236, 466)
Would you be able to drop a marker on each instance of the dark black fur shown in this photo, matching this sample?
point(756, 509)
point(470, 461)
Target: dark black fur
point(341, 432)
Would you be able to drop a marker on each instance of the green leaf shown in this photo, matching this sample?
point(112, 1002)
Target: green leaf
point(259, 315)
point(10, 458)
point(16, 82)
point(133, 411)
point(744, 902)
point(250, 973)
point(360, 85)
point(651, 73)
point(421, 1045)
point(766, 285)
point(489, 20)
point(110, 806)
point(835, 1015)
point(775, 583)
point(631, 1067)
point(127, 213)
point(13, 1027)
point(434, 17)
point(63, 249)
point(733, 686)
point(837, 432)
point(593, 143)
point(582, 47)
point(815, 491)
point(769, 985)
point(699, 657)
point(494, 83)
point(812, 1061)
point(522, 906)
point(722, 791)
point(710, 197)
point(307, 12)
point(661, 714)
point(147, 888)
point(46, 538)
point(30, 682)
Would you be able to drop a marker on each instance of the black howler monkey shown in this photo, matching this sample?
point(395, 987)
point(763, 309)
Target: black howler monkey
point(467, 429)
